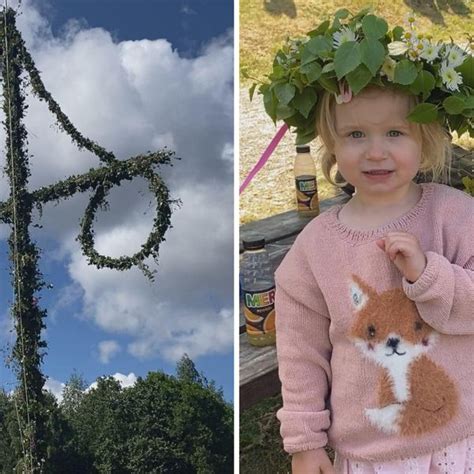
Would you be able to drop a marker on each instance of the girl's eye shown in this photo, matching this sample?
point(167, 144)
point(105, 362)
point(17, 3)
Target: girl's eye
point(359, 134)
point(396, 132)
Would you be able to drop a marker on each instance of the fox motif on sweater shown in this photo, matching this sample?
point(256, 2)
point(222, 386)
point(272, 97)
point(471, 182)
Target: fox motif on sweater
point(415, 395)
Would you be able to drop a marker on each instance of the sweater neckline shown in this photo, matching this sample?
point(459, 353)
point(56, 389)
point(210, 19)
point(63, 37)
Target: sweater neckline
point(402, 222)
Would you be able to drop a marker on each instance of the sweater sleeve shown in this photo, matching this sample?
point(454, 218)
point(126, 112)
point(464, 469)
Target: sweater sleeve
point(304, 352)
point(444, 295)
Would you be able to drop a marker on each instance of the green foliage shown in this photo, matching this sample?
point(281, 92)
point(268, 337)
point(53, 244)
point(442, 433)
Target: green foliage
point(161, 424)
point(73, 394)
point(360, 50)
point(186, 371)
point(347, 58)
point(374, 27)
point(423, 84)
point(372, 54)
point(468, 185)
point(405, 72)
point(423, 113)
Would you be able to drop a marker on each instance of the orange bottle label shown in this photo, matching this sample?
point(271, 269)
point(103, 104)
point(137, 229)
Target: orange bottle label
point(259, 311)
point(307, 193)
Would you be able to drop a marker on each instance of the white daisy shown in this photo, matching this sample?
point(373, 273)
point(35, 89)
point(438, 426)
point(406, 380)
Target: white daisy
point(410, 19)
point(388, 68)
point(454, 56)
point(396, 48)
point(343, 36)
point(430, 51)
point(413, 54)
point(450, 77)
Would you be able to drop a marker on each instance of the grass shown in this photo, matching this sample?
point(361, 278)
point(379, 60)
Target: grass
point(265, 24)
point(261, 448)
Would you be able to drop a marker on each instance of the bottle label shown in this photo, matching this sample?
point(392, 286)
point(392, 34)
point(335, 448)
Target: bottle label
point(307, 193)
point(259, 311)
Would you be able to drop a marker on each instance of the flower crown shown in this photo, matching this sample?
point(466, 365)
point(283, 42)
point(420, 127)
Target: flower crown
point(356, 51)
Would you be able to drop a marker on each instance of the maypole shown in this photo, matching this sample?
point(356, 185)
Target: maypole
point(27, 281)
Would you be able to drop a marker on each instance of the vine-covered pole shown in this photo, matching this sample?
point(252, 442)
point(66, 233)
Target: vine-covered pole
point(26, 279)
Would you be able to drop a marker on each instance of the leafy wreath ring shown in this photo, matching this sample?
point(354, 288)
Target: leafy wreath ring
point(150, 247)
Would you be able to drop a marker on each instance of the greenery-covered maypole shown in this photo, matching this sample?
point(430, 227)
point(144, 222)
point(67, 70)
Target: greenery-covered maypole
point(26, 278)
point(27, 282)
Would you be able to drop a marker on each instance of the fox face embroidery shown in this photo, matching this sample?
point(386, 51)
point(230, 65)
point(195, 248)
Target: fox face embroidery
point(415, 395)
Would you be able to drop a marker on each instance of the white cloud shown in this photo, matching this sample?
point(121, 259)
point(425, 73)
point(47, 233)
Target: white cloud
point(108, 350)
point(131, 97)
point(55, 387)
point(124, 380)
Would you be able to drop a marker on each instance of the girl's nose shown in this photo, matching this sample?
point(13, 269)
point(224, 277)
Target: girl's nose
point(376, 150)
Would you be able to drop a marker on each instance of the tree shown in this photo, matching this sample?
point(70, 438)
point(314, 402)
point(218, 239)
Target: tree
point(73, 393)
point(186, 370)
point(178, 426)
point(102, 428)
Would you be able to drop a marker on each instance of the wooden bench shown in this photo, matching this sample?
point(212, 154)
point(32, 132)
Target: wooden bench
point(258, 365)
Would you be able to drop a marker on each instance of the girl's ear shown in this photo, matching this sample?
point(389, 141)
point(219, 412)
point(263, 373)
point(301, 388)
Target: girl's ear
point(358, 297)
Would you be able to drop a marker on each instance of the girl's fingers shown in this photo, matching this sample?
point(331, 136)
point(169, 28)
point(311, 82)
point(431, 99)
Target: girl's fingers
point(393, 248)
point(380, 243)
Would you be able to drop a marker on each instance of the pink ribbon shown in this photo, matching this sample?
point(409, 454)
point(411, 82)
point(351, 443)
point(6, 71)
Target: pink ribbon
point(264, 158)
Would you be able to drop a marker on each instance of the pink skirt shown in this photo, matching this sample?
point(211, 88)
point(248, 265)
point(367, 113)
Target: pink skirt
point(457, 458)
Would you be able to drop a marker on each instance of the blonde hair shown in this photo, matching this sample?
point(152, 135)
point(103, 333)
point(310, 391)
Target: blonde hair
point(435, 140)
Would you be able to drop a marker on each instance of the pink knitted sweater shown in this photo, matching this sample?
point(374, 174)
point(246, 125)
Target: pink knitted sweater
point(379, 368)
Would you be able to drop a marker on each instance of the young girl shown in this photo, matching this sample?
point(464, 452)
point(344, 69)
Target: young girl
point(375, 303)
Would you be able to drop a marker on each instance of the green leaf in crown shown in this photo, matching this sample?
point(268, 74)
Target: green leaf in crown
point(345, 54)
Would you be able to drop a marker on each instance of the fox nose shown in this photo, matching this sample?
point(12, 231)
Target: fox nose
point(393, 342)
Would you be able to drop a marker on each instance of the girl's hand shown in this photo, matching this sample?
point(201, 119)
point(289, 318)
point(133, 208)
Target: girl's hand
point(315, 461)
point(405, 252)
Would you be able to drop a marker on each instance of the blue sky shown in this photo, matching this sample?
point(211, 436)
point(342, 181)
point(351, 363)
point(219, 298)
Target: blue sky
point(134, 76)
point(185, 23)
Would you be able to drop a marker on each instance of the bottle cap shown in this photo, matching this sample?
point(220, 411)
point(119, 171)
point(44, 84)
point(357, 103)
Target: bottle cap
point(254, 242)
point(302, 149)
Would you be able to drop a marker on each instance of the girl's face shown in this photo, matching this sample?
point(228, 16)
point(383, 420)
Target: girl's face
point(375, 148)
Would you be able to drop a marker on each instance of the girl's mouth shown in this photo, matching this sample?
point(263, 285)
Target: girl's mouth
point(377, 174)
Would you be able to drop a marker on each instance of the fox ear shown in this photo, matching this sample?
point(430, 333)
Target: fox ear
point(358, 297)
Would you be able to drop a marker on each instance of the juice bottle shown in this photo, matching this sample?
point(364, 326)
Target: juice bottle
point(305, 181)
point(258, 288)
